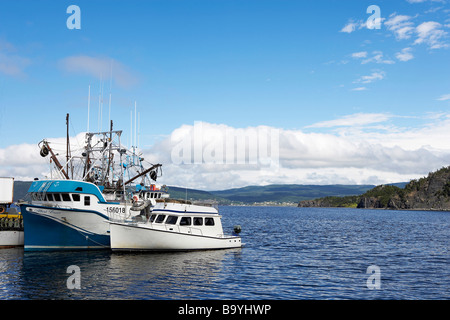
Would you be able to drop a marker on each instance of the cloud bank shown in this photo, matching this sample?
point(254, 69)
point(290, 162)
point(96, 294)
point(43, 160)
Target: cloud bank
point(356, 149)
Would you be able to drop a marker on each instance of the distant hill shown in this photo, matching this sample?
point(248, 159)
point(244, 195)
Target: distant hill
point(247, 195)
point(288, 193)
point(428, 193)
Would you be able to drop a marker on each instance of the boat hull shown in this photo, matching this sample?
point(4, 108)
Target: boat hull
point(11, 238)
point(59, 228)
point(131, 237)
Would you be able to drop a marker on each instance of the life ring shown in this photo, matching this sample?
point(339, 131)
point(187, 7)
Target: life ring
point(135, 198)
point(2, 209)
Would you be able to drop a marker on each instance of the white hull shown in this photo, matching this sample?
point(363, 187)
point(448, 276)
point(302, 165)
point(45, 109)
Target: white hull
point(125, 236)
point(11, 238)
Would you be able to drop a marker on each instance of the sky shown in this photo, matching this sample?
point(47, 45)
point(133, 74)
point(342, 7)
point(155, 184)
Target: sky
point(315, 92)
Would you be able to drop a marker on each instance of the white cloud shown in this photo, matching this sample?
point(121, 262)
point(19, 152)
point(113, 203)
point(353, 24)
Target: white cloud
point(359, 89)
point(349, 27)
point(431, 33)
point(404, 55)
point(444, 97)
point(400, 25)
point(100, 68)
point(361, 54)
point(377, 57)
point(354, 155)
point(374, 76)
point(358, 119)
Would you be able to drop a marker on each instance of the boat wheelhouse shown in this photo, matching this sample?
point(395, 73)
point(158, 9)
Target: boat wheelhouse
point(173, 226)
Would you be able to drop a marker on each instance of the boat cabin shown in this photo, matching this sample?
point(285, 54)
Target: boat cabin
point(186, 218)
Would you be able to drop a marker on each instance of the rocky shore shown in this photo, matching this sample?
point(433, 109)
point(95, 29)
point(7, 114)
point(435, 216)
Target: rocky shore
point(428, 193)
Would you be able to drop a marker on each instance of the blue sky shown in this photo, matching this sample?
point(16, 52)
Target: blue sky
point(312, 67)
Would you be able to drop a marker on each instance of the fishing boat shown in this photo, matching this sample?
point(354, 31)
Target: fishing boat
point(97, 183)
point(11, 223)
point(173, 226)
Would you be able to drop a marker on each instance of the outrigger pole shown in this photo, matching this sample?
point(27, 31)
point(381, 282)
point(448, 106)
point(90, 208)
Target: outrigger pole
point(143, 172)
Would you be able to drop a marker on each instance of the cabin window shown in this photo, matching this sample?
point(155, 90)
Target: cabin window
point(198, 221)
point(49, 197)
point(209, 221)
point(75, 197)
point(171, 219)
point(87, 200)
point(65, 197)
point(185, 221)
point(159, 195)
point(57, 197)
point(160, 218)
point(152, 217)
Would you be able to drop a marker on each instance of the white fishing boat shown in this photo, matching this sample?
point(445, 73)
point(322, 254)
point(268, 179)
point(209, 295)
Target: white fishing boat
point(11, 223)
point(173, 226)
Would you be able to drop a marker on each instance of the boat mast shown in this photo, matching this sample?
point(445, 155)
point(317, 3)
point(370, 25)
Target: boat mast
point(67, 146)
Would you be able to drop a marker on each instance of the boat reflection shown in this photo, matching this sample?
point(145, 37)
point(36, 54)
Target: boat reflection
point(177, 275)
point(138, 276)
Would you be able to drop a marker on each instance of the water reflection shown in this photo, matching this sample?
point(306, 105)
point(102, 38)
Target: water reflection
point(11, 261)
point(106, 275)
point(182, 275)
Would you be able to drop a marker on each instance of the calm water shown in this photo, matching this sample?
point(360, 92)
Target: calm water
point(290, 253)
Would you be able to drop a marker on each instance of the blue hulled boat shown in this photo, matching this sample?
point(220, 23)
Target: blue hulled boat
point(71, 212)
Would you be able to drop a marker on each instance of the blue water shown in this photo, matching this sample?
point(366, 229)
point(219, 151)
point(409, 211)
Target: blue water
point(290, 253)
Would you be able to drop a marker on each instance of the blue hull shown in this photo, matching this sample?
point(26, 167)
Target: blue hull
point(43, 233)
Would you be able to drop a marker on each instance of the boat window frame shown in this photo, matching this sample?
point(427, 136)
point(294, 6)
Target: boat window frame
point(158, 220)
point(65, 197)
point(57, 197)
point(87, 201)
point(76, 197)
point(187, 223)
point(195, 221)
point(153, 217)
point(170, 219)
point(210, 219)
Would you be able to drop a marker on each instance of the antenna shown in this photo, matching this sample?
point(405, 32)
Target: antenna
point(131, 128)
point(139, 128)
point(135, 124)
point(110, 85)
point(101, 110)
point(67, 147)
point(89, 104)
point(99, 103)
